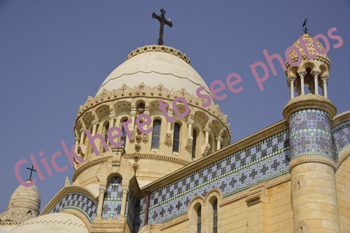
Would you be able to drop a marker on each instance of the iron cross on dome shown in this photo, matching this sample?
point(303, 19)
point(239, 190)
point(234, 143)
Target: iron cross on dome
point(162, 20)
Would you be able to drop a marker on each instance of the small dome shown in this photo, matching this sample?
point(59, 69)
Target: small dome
point(310, 47)
point(154, 65)
point(52, 223)
point(26, 199)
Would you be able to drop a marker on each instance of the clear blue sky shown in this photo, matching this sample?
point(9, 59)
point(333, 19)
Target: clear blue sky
point(54, 54)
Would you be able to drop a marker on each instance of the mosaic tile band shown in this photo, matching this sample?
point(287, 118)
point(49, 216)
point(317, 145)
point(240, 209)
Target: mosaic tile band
point(112, 201)
point(260, 162)
point(310, 133)
point(77, 201)
point(341, 137)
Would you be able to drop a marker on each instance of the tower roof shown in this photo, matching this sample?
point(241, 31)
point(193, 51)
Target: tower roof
point(310, 47)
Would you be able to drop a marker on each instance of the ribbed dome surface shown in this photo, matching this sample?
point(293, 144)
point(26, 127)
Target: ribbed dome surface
point(154, 65)
point(26, 198)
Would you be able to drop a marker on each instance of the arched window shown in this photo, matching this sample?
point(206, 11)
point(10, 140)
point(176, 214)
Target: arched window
point(199, 219)
point(106, 136)
point(176, 137)
point(194, 142)
point(124, 134)
point(156, 133)
point(215, 216)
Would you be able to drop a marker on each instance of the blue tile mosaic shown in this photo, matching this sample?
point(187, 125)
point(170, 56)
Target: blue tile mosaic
point(341, 137)
point(112, 201)
point(78, 201)
point(260, 162)
point(310, 133)
point(132, 209)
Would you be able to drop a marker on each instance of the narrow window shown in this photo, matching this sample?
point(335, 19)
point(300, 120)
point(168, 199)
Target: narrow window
point(176, 137)
point(215, 216)
point(124, 133)
point(194, 135)
point(106, 137)
point(199, 219)
point(156, 133)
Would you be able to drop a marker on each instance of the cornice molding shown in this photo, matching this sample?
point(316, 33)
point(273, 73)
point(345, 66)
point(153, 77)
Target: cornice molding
point(309, 102)
point(156, 157)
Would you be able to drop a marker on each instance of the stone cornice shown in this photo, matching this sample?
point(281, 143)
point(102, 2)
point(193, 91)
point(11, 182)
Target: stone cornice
point(309, 102)
point(156, 157)
point(205, 161)
point(311, 159)
point(159, 48)
point(340, 118)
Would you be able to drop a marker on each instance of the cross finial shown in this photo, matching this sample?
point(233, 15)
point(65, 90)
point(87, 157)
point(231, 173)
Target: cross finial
point(162, 20)
point(31, 171)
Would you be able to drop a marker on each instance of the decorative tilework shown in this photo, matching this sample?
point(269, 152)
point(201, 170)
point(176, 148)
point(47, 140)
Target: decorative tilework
point(260, 162)
point(77, 201)
point(341, 137)
point(112, 201)
point(310, 133)
point(132, 208)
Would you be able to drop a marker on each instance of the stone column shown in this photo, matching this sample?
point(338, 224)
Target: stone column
point(206, 146)
point(145, 136)
point(218, 139)
point(94, 126)
point(302, 74)
point(76, 144)
point(125, 192)
point(312, 168)
point(111, 124)
point(316, 82)
point(102, 191)
point(82, 133)
point(189, 137)
point(324, 80)
point(132, 126)
point(168, 132)
point(291, 81)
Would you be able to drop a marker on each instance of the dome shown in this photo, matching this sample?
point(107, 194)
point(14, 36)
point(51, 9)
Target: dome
point(24, 204)
point(310, 47)
point(52, 223)
point(154, 65)
point(26, 198)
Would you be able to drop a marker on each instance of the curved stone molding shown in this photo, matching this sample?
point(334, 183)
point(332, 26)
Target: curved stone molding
point(340, 118)
point(79, 202)
point(156, 157)
point(309, 102)
point(159, 48)
point(311, 159)
point(93, 162)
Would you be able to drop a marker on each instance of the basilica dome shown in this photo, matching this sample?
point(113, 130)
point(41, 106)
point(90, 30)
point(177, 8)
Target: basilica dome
point(152, 65)
point(58, 222)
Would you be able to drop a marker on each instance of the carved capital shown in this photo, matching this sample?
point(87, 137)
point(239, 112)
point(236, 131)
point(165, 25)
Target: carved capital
point(205, 149)
point(190, 121)
point(102, 190)
point(82, 130)
point(94, 122)
point(189, 142)
point(125, 190)
point(168, 137)
point(77, 139)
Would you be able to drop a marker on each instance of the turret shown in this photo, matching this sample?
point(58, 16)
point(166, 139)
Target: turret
point(312, 167)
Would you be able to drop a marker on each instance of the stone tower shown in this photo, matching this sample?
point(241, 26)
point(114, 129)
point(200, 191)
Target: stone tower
point(312, 166)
